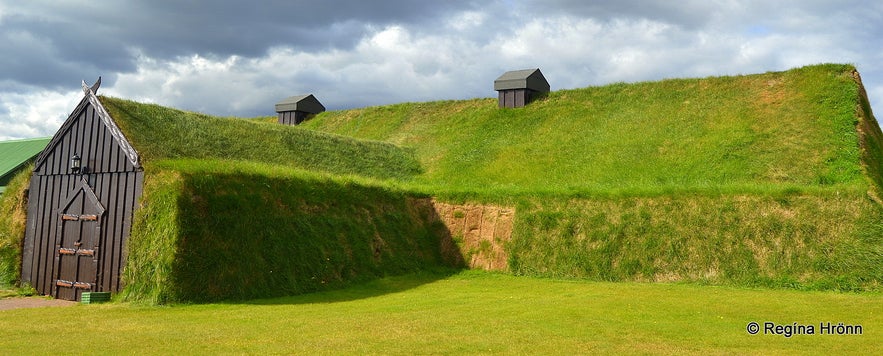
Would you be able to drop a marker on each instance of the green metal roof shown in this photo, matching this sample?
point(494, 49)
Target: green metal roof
point(14, 154)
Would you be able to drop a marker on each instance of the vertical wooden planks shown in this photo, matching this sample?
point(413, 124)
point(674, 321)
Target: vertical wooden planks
point(116, 183)
point(515, 98)
point(292, 117)
point(103, 190)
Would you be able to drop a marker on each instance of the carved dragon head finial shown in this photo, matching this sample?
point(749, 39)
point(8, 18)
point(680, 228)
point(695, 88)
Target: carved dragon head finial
point(94, 87)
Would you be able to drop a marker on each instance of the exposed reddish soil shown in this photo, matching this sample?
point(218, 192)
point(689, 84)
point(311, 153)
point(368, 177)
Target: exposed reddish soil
point(480, 232)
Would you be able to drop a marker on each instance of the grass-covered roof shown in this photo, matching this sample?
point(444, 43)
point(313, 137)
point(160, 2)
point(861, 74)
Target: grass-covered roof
point(788, 130)
point(748, 180)
point(161, 133)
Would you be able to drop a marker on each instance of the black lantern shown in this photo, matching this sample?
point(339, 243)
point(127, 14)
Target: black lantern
point(75, 163)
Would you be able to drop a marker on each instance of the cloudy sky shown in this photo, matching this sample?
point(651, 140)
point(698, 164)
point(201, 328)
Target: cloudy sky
point(240, 57)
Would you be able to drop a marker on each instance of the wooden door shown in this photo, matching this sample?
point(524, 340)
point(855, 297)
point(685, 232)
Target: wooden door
point(77, 244)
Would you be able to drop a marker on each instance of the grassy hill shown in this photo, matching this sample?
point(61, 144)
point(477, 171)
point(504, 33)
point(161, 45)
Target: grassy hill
point(766, 132)
point(757, 180)
point(768, 179)
point(13, 212)
point(213, 230)
point(160, 133)
point(233, 209)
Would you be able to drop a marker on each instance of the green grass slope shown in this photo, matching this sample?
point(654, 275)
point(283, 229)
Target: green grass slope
point(763, 132)
point(222, 230)
point(235, 210)
point(13, 211)
point(801, 241)
point(768, 179)
point(163, 133)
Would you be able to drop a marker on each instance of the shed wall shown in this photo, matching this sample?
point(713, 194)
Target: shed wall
point(292, 117)
point(515, 98)
point(109, 173)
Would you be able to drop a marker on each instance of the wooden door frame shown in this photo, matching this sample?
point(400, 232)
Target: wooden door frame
point(88, 194)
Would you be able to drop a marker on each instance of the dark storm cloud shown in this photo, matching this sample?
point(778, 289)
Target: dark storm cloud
point(31, 58)
point(239, 57)
point(56, 43)
point(686, 13)
point(248, 28)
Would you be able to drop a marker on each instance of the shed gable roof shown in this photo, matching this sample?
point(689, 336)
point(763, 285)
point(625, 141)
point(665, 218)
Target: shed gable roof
point(531, 79)
point(90, 100)
point(305, 103)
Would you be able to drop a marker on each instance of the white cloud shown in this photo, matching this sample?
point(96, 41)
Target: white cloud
point(388, 66)
point(393, 64)
point(460, 55)
point(35, 114)
point(194, 82)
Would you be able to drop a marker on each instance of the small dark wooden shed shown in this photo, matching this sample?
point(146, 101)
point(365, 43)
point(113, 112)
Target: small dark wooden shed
point(295, 109)
point(82, 196)
point(517, 88)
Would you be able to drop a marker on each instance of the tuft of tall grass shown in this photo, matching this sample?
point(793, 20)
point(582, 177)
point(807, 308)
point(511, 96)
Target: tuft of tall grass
point(13, 210)
point(151, 248)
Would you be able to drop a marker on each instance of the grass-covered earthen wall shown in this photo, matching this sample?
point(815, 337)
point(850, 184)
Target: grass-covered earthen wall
point(212, 230)
point(806, 241)
point(13, 210)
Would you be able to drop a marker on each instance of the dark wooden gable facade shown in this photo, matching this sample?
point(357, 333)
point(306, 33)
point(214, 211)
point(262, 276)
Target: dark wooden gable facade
point(296, 109)
point(80, 219)
point(518, 88)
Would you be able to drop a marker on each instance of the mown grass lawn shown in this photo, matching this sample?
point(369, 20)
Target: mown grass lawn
point(464, 313)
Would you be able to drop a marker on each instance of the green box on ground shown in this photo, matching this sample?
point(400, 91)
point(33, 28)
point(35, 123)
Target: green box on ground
point(94, 297)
